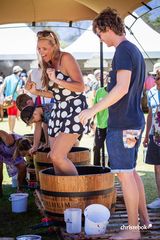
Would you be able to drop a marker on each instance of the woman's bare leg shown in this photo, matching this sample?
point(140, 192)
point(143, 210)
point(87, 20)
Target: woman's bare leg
point(11, 123)
point(60, 147)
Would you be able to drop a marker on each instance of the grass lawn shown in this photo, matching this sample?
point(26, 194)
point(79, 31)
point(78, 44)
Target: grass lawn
point(12, 225)
point(16, 224)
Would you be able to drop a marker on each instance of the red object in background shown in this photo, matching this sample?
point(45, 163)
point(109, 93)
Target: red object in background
point(149, 83)
point(38, 101)
point(12, 111)
point(46, 219)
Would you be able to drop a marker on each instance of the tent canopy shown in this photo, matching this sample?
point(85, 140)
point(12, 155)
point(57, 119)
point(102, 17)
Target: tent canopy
point(27, 11)
point(18, 43)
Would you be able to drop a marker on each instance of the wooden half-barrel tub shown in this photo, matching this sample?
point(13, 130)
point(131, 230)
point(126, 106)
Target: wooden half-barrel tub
point(29, 159)
point(94, 184)
point(78, 155)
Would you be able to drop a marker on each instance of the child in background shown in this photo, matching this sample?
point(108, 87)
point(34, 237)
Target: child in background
point(101, 127)
point(26, 105)
point(24, 100)
point(38, 115)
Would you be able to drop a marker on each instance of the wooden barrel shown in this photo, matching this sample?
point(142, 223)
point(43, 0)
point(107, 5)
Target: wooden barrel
point(78, 155)
point(31, 175)
point(31, 178)
point(41, 161)
point(94, 184)
point(29, 161)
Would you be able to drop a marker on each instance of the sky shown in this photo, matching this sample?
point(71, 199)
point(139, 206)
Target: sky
point(155, 5)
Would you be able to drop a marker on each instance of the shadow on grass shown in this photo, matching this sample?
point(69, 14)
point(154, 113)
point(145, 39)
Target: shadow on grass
point(16, 224)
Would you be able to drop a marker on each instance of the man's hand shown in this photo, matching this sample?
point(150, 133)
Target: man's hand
point(85, 115)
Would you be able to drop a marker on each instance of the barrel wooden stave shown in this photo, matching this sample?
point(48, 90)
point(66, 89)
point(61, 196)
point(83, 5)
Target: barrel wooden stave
point(78, 155)
point(61, 192)
point(31, 175)
point(41, 161)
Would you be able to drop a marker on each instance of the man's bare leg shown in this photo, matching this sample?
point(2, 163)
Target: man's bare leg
point(131, 198)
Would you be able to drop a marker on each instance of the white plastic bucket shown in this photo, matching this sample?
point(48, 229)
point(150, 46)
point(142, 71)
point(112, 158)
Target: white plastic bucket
point(96, 219)
point(19, 202)
point(73, 219)
point(29, 237)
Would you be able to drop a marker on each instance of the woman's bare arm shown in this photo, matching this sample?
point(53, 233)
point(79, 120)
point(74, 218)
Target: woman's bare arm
point(6, 137)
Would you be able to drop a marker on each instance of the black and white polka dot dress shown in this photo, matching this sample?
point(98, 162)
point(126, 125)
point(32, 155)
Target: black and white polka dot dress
point(65, 111)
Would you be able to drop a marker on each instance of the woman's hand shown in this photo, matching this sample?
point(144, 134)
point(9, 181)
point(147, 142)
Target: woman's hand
point(33, 150)
point(44, 145)
point(51, 74)
point(85, 115)
point(28, 85)
point(146, 141)
point(33, 88)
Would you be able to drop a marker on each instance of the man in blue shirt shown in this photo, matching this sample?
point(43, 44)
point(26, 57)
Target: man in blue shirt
point(11, 86)
point(126, 118)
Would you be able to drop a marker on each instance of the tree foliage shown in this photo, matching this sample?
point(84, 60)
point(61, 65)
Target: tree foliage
point(153, 23)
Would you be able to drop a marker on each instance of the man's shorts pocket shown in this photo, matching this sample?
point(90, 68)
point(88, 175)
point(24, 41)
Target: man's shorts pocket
point(130, 137)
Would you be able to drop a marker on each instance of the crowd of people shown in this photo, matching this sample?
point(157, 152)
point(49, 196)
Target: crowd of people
point(65, 105)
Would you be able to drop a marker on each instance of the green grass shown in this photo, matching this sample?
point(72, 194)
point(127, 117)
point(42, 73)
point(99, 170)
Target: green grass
point(15, 224)
point(149, 185)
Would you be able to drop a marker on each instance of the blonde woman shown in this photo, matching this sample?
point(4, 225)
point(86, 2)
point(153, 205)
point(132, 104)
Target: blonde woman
point(61, 79)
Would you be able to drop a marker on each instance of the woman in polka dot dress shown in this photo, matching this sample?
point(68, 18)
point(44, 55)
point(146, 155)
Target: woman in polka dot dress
point(62, 79)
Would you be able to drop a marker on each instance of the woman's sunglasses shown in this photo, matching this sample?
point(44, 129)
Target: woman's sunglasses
point(45, 33)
